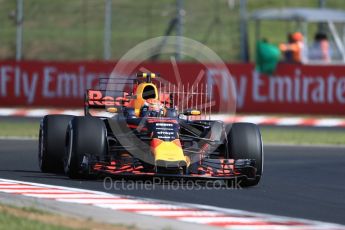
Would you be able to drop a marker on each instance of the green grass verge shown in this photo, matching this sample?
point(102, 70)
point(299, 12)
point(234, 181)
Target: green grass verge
point(303, 136)
point(8, 220)
point(19, 128)
point(12, 217)
point(269, 134)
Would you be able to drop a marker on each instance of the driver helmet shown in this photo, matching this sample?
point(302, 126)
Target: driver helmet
point(152, 108)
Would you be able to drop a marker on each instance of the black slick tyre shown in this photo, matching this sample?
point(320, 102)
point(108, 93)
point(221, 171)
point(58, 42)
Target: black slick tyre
point(245, 142)
point(51, 147)
point(85, 141)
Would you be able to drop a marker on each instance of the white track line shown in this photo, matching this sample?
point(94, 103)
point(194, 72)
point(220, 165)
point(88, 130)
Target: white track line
point(181, 213)
point(290, 121)
point(139, 207)
point(331, 122)
point(99, 201)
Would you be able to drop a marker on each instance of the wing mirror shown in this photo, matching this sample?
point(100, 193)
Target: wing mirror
point(112, 110)
point(192, 112)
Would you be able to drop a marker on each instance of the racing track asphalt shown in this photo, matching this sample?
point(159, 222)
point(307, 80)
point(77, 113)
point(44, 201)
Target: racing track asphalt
point(305, 182)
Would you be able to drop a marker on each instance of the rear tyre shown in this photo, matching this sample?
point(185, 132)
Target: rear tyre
point(51, 147)
point(85, 142)
point(245, 142)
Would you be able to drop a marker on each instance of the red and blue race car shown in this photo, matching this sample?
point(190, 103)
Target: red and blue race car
point(147, 134)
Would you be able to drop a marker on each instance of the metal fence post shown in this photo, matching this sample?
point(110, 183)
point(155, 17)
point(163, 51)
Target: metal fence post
point(19, 30)
point(107, 30)
point(243, 31)
point(322, 26)
point(179, 29)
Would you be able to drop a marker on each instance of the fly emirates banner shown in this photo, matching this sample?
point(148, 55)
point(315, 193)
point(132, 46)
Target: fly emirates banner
point(293, 89)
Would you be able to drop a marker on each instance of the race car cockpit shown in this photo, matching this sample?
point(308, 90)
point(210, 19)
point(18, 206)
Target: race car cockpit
point(146, 101)
point(152, 108)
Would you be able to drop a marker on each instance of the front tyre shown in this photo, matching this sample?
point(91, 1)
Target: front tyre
point(85, 142)
point(245, 142)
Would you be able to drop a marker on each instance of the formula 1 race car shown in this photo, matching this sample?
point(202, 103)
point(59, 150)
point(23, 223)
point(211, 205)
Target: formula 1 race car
point(149, 133)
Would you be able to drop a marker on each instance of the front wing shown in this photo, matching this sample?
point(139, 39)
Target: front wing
point(209, 169)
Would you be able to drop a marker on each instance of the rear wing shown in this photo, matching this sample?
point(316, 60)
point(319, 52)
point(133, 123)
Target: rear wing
point(101, 99)
point(110, 92)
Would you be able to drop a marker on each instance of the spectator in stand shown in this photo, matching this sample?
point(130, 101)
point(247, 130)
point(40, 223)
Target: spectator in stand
point(319, 50)
point(293, 49)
